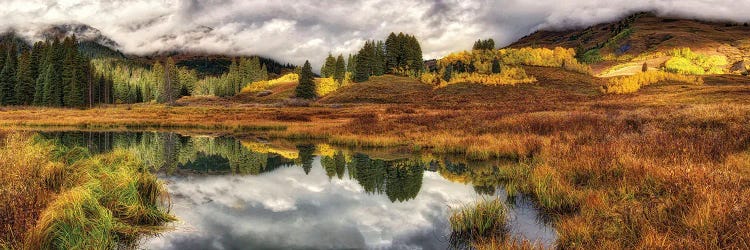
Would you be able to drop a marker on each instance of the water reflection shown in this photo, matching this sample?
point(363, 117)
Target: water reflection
point(245, 194)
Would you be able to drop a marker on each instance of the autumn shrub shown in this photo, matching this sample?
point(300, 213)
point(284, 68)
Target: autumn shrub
point(630, 84)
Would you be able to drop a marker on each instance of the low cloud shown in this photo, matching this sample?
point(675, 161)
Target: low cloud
point(293, 31)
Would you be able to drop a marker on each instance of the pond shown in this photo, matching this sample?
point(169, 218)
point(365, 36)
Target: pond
point(231, 193)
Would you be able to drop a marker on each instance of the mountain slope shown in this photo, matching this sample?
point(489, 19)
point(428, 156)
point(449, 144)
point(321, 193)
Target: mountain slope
point(638, 37)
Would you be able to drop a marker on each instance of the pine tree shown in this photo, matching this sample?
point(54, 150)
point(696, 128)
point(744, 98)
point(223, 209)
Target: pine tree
point(340, 70)
point(233, 76)
point(391, 53)
point(73, 93)
point(414, 56)
point(329, 67)
point(170, 86)
point(8, 76)
point(306, 87)
point(53, 81)
point(495, 66)
point(51, 94)
point(379, 59)
point(362, 69)
point(351, 64)
point(447, 74)
point(157, 80)
point(488, 44)
point(24, 89)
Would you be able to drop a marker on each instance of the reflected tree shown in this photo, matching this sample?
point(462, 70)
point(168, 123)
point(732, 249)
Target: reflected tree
point(306, 156)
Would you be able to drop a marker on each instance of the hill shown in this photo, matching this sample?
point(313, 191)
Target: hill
point(645, 37)
point(554, 85)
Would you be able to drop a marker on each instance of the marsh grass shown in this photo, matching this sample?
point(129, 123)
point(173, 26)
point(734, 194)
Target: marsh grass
point(63, 198)
point(483, 220)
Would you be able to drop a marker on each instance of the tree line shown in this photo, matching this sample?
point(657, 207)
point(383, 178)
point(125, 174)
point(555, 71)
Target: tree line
point(399, 55)
point(50, 73)
point(242, 71)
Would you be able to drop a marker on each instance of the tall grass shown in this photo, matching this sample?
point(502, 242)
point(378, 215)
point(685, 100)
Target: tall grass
point(486, 219)
point(62, 198)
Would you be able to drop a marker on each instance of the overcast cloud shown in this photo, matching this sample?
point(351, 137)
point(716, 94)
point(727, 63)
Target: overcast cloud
point(292, 31)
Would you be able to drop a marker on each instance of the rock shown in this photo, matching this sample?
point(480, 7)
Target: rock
point(264, 93)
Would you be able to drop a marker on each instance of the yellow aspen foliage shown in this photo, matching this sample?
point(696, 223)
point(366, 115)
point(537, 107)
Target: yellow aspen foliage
point(264, 85)
point(630, 84)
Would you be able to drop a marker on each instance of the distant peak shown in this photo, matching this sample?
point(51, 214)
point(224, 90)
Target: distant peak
point(82, 32)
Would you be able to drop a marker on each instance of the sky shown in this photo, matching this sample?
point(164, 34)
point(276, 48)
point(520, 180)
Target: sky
point(294, 31)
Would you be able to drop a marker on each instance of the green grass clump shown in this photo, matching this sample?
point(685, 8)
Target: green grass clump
point(483, 220)
point(75, 220)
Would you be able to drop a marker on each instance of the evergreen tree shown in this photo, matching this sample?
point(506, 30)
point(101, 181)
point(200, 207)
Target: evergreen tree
point(495, 66)
point(53, 81)
point(488, 44)
point(157, 80)
point(363, 69)
point(233, 77)
point(8, 76)
point(413, 52)
point(329, 68)
point(379, 59)
point(351, 64)
point(306, 87)
point(24, 89)
point(644, 68)
point(447, 74)
point(391, 53)
point(73, 91)
point(170, 86)
point(340, 70)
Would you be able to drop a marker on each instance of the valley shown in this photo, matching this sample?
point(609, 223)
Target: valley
point(623, 135)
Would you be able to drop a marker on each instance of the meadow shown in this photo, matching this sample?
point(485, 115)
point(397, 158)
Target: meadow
point(665, 167)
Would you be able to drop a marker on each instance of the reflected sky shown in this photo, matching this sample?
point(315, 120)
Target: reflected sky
point(288, 209)
point(232, 194)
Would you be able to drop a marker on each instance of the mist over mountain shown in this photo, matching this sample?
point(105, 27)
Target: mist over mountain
point(311, 29)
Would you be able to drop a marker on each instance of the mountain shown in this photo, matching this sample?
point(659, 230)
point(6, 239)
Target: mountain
point(96, 45)
point(83, 33)
point(215, 64)
point(641, 36)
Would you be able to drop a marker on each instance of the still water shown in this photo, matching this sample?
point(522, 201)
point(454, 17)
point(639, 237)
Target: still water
point(253, 194)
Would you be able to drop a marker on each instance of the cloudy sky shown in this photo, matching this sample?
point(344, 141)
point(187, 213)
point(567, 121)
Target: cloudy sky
point(292, 31)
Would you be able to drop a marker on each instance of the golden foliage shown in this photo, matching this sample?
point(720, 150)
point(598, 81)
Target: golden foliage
point(685, 61)
point(481, 60)
point(508, 76)
point(630, 84)
point(264, 85)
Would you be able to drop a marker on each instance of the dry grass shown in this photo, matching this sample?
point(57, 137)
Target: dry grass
point(53, 197)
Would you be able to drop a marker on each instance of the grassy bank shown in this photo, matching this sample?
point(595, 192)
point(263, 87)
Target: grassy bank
point(53, 197)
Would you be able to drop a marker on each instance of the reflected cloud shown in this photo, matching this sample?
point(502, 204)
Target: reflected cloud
point(290, 209)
